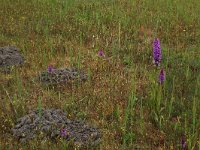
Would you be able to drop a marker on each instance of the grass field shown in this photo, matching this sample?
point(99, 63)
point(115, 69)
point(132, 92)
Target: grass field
point(122, 95)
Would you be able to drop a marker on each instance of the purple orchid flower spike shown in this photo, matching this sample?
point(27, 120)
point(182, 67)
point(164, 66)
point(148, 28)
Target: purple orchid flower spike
point(50, 68)
point(101, 53)
point(157, 56)
point(162, 76)
point(63, 133)
point(183, 142)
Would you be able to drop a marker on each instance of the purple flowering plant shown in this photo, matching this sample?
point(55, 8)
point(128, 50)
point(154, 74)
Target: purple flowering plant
point(101, 53)
point(157, 56)
point(183, 143)
point(63, 132)
point(162, 76)
point(50, 68)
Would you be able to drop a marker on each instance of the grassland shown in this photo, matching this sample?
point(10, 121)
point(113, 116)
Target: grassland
point(122, 96)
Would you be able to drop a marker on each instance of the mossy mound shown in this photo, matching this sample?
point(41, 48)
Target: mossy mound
point(50, 123)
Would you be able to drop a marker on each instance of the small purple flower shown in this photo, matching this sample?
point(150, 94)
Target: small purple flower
point(101, 53)
point(183, 142)
point(63, 133)
point(162, 76)
point(157, 56)
point(50, 68)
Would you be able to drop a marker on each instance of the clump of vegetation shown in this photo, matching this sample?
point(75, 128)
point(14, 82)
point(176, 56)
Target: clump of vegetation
point(51, 124)
point(59, 76)
point(9, 57)
point(142, 62)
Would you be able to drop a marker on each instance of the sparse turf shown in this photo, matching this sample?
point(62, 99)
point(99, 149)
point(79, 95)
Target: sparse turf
point(122, 96)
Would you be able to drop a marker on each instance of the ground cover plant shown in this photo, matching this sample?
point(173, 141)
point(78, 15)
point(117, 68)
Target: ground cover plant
point(142, 60)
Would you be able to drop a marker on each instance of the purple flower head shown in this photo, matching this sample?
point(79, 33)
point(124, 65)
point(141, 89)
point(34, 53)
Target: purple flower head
point(183, 143)
point(156, 52)
point(63, 133)
point(162, 76)
point(101, 53)
point(50, 68)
